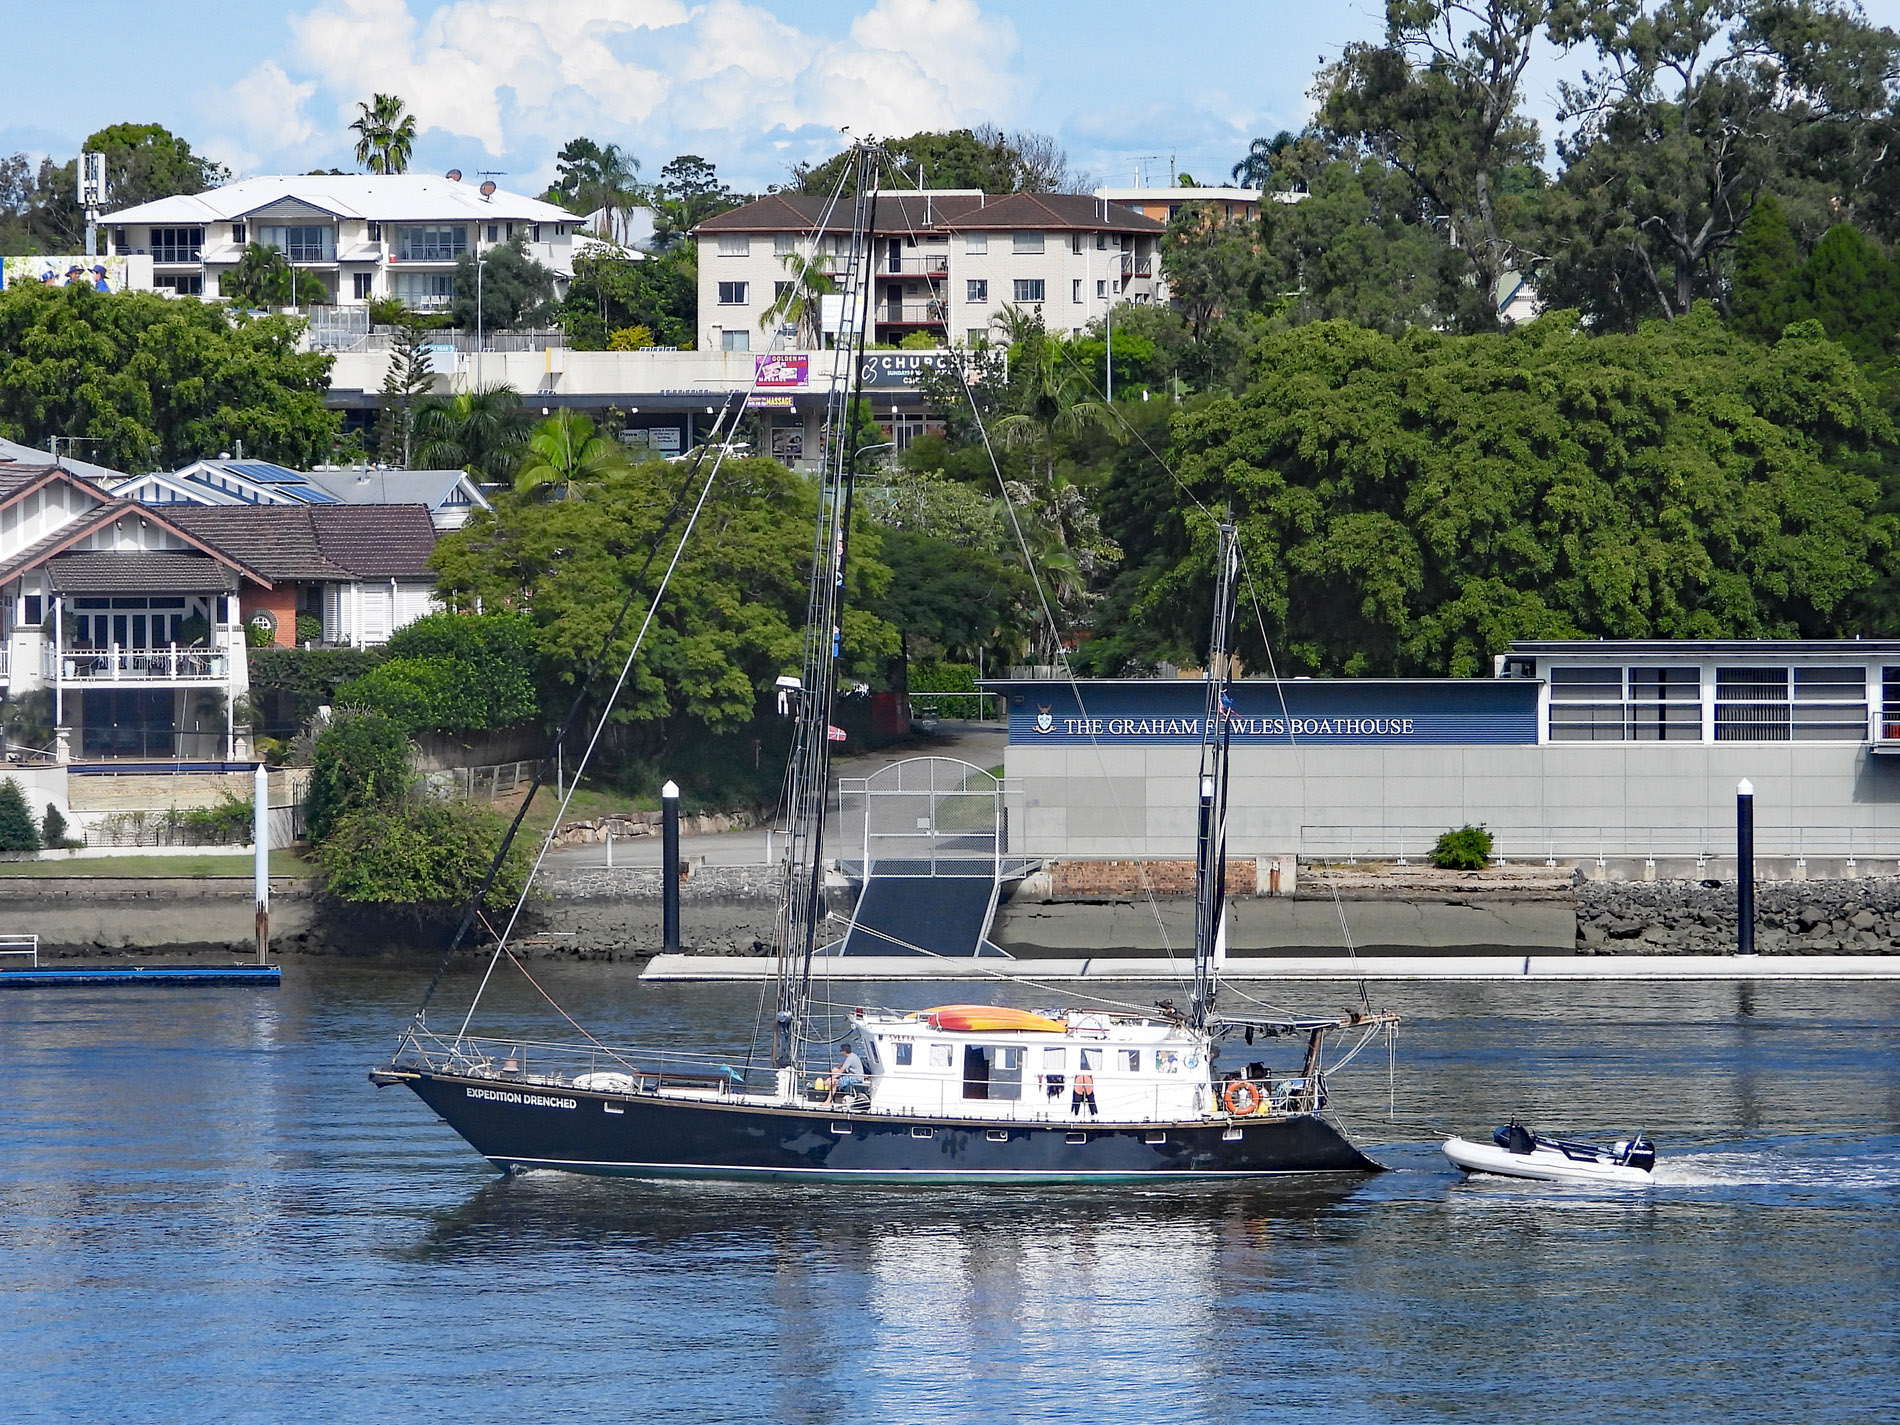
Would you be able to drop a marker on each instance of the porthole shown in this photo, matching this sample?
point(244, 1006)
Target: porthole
point(841, 1129)
point(1078, 1138)
point(998, 1135)
point(1155, 1138)
point(923, 1133)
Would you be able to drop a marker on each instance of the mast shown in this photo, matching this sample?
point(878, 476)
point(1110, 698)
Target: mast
point(815, 692)
point(1210, 852)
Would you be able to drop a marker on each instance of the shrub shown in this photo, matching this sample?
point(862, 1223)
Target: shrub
point(634, 338)
point(53, 830)
point(1466, 849)
point(288, 685)
point(454, 673)
point(360, 761)
point(309, 628)
point(420, 853)
point(228, 823)
point(17, 831)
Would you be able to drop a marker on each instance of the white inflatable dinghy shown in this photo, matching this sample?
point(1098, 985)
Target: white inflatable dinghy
point(1516, 1152)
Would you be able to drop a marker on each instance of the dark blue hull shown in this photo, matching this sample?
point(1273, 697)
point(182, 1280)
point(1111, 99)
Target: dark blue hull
point(516, 1125)
point(57, 975)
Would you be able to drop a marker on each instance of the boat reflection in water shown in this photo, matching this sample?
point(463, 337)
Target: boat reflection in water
point(1016, 1290)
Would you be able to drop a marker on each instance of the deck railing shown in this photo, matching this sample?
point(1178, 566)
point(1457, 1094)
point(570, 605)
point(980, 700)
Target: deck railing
point(116, 664)
point(26, 946)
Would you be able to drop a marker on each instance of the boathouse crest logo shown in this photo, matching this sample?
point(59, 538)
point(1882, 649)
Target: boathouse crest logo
point(1045, 720)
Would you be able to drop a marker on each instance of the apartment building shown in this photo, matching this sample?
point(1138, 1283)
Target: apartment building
point(365, 235)
point(946, 262)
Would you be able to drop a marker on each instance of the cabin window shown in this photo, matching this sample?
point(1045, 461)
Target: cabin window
point(1130, 1060)
point(900, 1053)
point(1055, 1059)
point(922, 1132)
point(1091, 1058)
point(992, 1071)
point(1167, 1061)
point(940, 1056)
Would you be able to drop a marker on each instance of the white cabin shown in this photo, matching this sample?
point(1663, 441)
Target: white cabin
point(1144, 1070)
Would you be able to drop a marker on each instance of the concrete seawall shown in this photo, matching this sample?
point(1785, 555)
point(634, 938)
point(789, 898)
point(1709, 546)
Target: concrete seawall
point(596, 913)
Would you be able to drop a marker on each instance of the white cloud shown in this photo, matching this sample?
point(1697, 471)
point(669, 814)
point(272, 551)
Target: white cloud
point(520, 77)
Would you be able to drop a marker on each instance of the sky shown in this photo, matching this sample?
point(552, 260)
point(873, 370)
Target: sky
point(497, 86)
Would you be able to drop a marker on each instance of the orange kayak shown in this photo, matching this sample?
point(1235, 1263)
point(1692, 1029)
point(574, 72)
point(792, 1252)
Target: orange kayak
point(987, 1018)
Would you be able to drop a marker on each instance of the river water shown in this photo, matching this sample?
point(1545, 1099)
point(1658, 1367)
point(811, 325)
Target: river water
point(208, 1214)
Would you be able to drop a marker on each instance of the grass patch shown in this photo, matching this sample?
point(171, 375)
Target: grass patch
point(184, 865)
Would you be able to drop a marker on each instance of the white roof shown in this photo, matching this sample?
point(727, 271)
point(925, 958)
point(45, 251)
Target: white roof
point(379, 197)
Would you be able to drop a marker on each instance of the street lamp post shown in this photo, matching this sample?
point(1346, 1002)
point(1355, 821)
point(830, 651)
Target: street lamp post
point(481, 342)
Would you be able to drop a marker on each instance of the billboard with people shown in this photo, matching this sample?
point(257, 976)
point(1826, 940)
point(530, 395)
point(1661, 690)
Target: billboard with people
point(103, 274)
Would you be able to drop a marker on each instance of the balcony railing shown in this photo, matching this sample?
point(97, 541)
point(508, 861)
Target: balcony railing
point(3, 664)
point(911, 313)
point(140, 665)
point(935, 265)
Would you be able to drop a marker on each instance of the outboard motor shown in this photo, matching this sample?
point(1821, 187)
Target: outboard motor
point(1637, 1152)
point(1514, 1137)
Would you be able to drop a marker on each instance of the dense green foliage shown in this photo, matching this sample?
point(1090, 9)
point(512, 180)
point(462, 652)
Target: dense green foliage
point(288, 685)
point(361, 761)
point(452, 673)
point(610, 294)
point(513, 289)
point(385, 134)
point(985, 158)
point(53, 830)
point(264, 278)
point(1408, 505)
point(17, 831)
point(1466, 849)
point(420, 853)
point(158, 383)
point(479, 431)
point(733, 619)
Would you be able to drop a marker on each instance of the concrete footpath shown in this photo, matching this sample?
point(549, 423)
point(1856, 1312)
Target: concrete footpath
point(1329, 967)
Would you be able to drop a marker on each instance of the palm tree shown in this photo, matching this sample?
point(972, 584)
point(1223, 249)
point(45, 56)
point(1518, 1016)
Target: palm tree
point(800, 302)
point(385, 135)
point(1256, 168)
point(478, 431)
point(563, 454)
point(263, 277)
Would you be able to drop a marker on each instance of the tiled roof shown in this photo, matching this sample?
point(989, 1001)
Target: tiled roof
point(332, 543)
point(934, 213)
point(140, 572)
point(276, 540)
point(103, 514)
point(377, 541)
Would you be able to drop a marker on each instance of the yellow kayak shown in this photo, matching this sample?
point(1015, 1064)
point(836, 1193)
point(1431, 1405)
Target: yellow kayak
point(990, 1018)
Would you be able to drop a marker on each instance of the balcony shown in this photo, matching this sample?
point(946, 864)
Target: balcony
point(139, 665)
point(932, 265)
point(911, 314)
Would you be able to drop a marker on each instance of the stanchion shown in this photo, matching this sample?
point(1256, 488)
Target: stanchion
point(670, 867)
point(1745, 868)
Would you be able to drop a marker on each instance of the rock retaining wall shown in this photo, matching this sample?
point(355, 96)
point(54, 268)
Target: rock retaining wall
point(1854, 917)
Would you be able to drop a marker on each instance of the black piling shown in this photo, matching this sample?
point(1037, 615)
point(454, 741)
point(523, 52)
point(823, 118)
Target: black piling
point(1745, 868)
point(670, 867)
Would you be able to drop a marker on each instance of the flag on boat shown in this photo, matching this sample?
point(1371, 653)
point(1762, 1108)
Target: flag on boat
point(835, 733)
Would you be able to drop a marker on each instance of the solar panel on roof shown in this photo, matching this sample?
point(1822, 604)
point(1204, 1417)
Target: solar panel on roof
point(266, 473)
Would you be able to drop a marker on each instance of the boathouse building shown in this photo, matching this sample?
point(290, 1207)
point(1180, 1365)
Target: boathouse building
point(1572, 750)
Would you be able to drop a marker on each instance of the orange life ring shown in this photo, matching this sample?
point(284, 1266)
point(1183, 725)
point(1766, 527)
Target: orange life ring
point(1237, 1093)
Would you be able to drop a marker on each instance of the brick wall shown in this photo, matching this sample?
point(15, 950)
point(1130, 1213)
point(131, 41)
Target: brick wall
point(282, 603)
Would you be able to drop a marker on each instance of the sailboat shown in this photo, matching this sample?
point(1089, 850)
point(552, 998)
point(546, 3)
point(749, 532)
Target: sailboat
point(946, 1093)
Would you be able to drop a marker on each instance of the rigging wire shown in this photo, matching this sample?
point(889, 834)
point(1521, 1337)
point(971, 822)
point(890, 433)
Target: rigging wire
point(473, 910)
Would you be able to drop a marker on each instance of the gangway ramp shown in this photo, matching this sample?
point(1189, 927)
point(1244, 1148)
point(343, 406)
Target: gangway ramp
point(933, 837)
